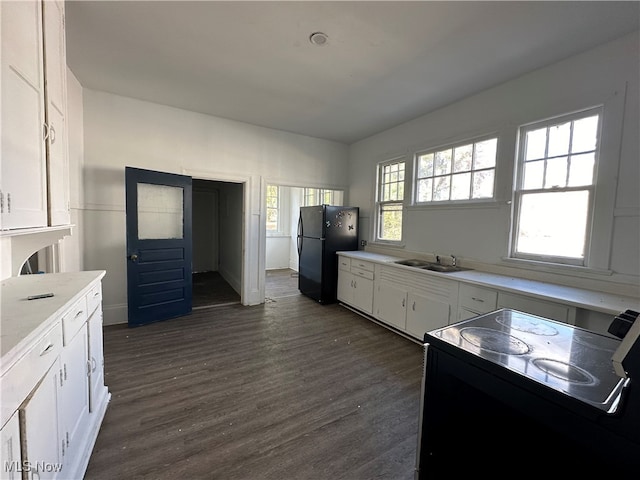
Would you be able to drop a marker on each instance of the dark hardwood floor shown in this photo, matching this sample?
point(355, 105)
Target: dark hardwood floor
point(290, 389)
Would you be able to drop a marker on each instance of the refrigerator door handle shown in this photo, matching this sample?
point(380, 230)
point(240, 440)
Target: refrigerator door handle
point(299, 235)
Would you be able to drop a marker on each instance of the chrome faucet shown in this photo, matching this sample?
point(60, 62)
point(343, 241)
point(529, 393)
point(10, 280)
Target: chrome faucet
point(453, 260)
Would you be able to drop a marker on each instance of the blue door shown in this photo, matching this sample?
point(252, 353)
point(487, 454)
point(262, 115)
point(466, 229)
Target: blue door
point(159, 248)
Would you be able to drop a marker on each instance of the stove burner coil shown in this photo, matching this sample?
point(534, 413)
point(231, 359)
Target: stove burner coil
point(494, 341)
point(527, 325)
point(564, 371)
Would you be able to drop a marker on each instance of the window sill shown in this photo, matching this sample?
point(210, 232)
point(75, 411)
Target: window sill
point(461, 204)
point(382, 243)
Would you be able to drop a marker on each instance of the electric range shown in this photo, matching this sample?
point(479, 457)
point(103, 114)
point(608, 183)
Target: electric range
point(512, 384)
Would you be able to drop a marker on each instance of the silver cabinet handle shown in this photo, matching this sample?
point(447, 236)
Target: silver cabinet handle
point(52, 134)
point(45, 131)
point(403, 302)
point(79, 313)
point(477, 299)
point(47, 349)
point(413, 307)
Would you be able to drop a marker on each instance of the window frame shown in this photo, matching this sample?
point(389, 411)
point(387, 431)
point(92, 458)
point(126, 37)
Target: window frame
point(319, 193)
point(381, 205)
point(278, 230)
point(518, 191)
point(452, 146)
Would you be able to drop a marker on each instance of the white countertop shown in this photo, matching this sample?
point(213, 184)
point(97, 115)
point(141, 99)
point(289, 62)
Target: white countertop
point(577, 297)
point(22, 320)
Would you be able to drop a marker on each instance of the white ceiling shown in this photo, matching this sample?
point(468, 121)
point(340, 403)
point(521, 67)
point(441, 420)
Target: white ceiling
point(385, 62)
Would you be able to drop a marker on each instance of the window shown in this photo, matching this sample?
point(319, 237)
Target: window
point(462, 172)
point(390, 201)
point(273, 209)
point(555, 184)
point(318, 196)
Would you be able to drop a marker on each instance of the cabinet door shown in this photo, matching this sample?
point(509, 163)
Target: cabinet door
point(390, 305)
point(10, 438)
point(363, 294)
point(23, 177)
point(56, 111)
point(98, 391)
point(74, 395)
point(425, 314)
point(345, 287)
point(40, 442)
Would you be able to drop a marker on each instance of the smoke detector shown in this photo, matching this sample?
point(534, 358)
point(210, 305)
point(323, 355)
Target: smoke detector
point(318, 38)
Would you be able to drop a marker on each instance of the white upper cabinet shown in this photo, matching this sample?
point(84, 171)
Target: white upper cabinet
point(23, 183)
point(55, 59)
point(34, 185)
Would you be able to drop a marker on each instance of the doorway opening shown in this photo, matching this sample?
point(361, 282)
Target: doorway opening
point(283, 204)
point(218, 208)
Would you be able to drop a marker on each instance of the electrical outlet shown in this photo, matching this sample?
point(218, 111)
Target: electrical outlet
point(363, 243)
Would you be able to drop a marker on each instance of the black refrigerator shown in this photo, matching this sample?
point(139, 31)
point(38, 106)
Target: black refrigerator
point(324, 230)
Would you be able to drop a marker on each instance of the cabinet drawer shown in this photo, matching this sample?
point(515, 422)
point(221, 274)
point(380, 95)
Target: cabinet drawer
point(344, 263)
point(94, 299)
point(74, 318)
point(19, 380)
point(361, 265)
point(477, 299)
point(362, 273)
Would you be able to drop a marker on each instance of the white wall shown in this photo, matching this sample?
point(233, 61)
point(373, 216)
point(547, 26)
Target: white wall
point(71, 247)
point(599, 76)
point(121, 132)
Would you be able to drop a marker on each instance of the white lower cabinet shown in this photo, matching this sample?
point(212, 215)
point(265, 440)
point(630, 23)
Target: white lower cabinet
point(41, 444)
point(97, 389)
point(413, 302)
point(425, 314)
point(390, 305)
point(355, 284)
point(10, 439)
point(74, 396)
point(51, 383)
point(474, 300)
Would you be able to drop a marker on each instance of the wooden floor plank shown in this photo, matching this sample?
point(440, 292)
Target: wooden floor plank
point(290, 389)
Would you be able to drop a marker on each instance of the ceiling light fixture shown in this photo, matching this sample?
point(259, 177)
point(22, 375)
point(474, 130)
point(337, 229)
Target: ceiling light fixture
point(318, 38)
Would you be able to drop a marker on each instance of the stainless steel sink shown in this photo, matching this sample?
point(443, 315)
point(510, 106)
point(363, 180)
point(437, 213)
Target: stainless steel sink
point(438, 267)
point(433, 266)
point(414, 262)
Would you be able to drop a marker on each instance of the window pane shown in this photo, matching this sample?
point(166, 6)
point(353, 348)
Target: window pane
point(533, 175)
point(553, 223)
point(424, 190)
point(441, 188)
point(483, 184)
point(559, 139)
point(535, 144)
point(460, 186)
point(391, 222)
point(556, 173)
point(485, 156)
point(442, 162)
point(581, 169)
point(160, 211)
point(425, 165)
point(585, 133)
point(462, 158)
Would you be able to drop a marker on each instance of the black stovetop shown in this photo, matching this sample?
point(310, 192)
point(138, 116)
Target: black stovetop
point(566, 358)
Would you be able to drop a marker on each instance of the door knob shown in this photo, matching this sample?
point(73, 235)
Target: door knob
point(133, 257)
